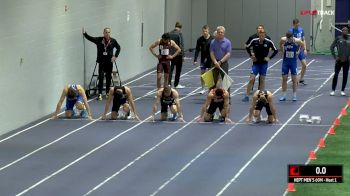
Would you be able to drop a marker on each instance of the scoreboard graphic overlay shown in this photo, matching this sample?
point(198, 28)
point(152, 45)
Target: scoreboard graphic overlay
point(315, 173)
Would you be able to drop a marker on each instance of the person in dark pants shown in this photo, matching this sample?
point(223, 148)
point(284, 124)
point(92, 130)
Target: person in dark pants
point(105, 57)
point(176, 36)
point(203, 46)
point(342, 43)
point(220, 52)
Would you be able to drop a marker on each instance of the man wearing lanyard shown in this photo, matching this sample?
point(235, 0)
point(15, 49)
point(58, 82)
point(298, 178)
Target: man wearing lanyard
point(105, 57)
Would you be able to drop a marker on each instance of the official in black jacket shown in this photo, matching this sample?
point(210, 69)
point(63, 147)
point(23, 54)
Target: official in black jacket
point(105, 57)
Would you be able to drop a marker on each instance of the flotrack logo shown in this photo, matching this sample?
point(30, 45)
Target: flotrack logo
point(317, 12)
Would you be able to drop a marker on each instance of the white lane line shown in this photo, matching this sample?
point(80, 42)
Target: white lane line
point(200, 154)
point(92, 151)
point(193, 160)
point(33, 126)
point(53, 142)
point(220, 123)
point(263, 147)
point(24, 130)
point(140, 77)
point(85, 126)
point(211, 145)
point(290, 79)
point(326, 134)
point(151, 149)
point(66, 135)
point(37, 124)
point(317, 71)
point(239, 64)
point(139, 157)
point(279, 78)
point(154, 90)
point(246, 83)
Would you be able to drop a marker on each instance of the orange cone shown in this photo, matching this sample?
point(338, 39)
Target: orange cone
point(321, 144)
point(331, 131)
point(291, 187)
point(336, 122)
point(343, 112)
point(312, 155)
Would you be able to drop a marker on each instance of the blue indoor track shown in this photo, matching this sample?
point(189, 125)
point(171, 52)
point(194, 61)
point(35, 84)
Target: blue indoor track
point(81, 157)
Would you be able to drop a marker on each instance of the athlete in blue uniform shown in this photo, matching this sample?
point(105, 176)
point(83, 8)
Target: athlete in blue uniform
point(298, 32)
point(120, 96)
point(168, 98)
point(290, 47)
point(75, 96)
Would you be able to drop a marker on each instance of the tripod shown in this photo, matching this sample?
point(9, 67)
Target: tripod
point(93, 85)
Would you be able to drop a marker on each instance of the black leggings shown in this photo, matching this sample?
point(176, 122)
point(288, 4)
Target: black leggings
point(176, 62)
point(337, 68)
point(104, 68)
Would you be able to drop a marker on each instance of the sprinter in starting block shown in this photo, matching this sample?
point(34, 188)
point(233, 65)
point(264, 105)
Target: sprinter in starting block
point(120, 96)
point(76, 102)
point(168, 99)
point(260, 100)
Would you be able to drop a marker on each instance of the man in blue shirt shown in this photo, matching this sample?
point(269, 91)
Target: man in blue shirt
point(298, 32)
point(290, 47)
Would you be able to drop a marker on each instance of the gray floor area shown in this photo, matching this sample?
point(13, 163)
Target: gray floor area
point(77, 157)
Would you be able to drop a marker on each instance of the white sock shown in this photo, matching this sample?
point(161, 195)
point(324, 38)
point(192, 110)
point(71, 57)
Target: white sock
point(294, 94)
